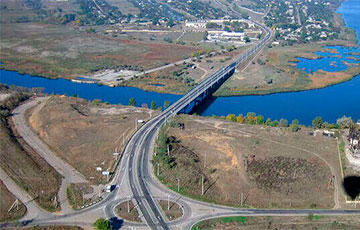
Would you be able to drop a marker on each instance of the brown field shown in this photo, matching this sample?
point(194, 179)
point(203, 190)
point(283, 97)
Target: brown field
point(174, 212)
point(285, 169)
point(7, 199)
point(63, 51)
point(84, 134)
point(281, 223)
point(28, 169)
point(122, 211)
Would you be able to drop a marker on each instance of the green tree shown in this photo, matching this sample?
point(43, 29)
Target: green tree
point(268, 122)
point(260, 120)
point(166, 104)
point(153, 105)
point(317, 122)
point(102, 224)
point(132, 102)
point(246, 39)
point(295, 125)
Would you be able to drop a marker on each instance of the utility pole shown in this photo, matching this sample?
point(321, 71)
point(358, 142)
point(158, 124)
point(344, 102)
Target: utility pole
point(168, 150)
point(123, 140)
point(128, 204)
point(205, 160)
point(158, 169)
point(202, 185)
point(178, 184)
point(241, 199)
point(168, 196)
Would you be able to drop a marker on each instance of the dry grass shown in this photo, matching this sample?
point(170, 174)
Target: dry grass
point(285, 169)
point(83, 134)
point(27, 168)
point(281, 223)
point(122, 211)
point(6, 201)
point(174, 212)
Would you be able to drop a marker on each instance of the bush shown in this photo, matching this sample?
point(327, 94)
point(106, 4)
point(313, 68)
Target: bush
point(344, 122)
point(317, 122)
point(102, 224)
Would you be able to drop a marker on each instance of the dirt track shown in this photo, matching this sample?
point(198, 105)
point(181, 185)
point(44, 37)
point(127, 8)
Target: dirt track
point(69, 173)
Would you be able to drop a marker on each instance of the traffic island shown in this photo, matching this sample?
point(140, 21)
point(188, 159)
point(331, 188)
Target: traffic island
point(171, 210)
point(127, 211)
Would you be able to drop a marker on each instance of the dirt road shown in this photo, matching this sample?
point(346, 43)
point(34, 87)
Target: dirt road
point(68, 172)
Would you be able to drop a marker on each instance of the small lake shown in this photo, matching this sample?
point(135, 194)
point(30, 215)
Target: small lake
point(330, 103)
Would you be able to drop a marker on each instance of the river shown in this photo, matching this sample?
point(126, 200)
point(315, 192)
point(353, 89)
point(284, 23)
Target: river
point(330, 103)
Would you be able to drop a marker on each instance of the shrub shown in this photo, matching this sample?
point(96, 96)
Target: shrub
point(102, 224)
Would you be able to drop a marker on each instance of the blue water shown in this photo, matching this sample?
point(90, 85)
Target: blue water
point(114, 95)
point(329, 103)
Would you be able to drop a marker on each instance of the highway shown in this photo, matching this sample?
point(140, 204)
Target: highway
point(134, 177)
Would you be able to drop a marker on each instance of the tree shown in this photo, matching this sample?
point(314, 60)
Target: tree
point(283, 122)
point(153, 105)
point(344, 122)
point(260, 120)
point(240, 119)
point(166, 104)
point(250, 118)
point(295, 125)
point(132, 102)
point(246, 39)
point(317, 122)
point(268, 122)
point(102, 224)
point(231, 117)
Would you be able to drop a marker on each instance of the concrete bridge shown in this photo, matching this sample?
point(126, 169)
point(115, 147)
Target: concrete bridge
point(207, 87)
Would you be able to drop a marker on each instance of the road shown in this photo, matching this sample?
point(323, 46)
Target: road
point(135, 180)
point(29, 136)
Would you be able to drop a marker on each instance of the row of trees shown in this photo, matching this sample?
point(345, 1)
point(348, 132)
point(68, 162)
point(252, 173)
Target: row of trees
point(153, 105)
point(318, 123)
point(253, 119)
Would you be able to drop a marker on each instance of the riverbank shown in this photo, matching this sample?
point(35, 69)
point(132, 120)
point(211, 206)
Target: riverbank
point(76, 53)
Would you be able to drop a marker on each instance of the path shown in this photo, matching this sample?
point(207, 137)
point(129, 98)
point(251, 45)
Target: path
point(30, 137)
point(32, 210)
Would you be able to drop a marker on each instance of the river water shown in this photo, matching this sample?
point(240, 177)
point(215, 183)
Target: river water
point(330, 103)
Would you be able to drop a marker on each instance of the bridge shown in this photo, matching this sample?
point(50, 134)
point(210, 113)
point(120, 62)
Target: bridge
point(135, 180)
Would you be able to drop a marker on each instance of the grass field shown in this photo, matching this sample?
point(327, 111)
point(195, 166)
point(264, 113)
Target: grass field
point(284, 169)
point(6, 201)
point(62, 51)
point(281, 223)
